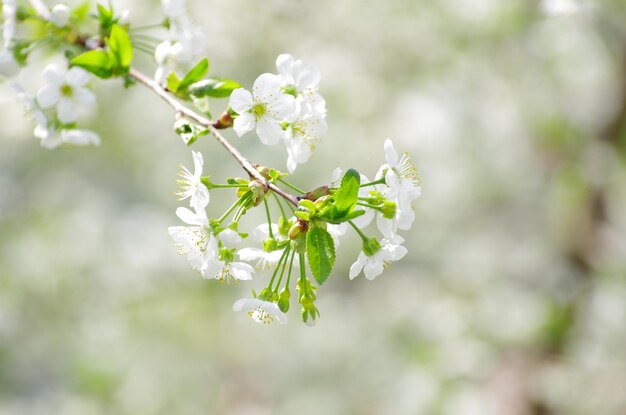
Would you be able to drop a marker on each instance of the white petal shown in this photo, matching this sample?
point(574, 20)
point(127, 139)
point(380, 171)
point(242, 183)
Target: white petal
point(241, 271)
point(365, 219)
point(190, 217)
point(395, 252)
point(308, 78)
point(250, 254)
point(60, 15)
point(80, 137)
point(84, 97)
point(53, 74)
point(230, 238)
point(282, 107)
point(386, 226)
point(67, 111)
point(244, 123)
point(373, 268)
point(284, 64)
point(198, 163)
point(48, 96)
point(269, 131)
point(8, 65)
point(390, 153)
point(241, 100)
point(356, 268)
point(266, 87)
point(77, 77)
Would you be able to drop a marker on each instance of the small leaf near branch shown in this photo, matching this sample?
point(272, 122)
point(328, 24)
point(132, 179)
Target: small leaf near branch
point(214, 88)
point(320, 249)
point(97, 62)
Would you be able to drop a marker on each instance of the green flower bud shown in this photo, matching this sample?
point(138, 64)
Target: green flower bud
point(317, 193)
point(298, 229)
point(258, 191)
point(270, 244)
point(283, 226)
point(388, 209)
point(283, 300)
point(371, 246)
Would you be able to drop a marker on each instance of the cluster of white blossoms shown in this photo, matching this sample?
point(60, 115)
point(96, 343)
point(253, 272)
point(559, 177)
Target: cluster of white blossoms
point(397, 181)
point(286, 107)
point(58, 105)
point(183, 47)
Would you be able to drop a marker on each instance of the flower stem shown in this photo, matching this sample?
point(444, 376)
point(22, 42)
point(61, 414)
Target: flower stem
point(280, 278)
point(356, 228)
point(286, 183)
point(375, 182)
point(280, 261)
point(280, 206)
point(234, 206)
point(269, 220)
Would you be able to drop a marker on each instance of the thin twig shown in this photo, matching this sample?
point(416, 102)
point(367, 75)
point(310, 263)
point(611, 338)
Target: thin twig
point(44, 12)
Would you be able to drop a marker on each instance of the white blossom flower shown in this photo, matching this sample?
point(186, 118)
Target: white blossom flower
point(216, 268)
point(337, 231)
point(230, 238)
point(265, 108)
point(66, 91)
point(264, 259)
point(302, 80)
point(402, 187)
point(185, 44)
point(263, 312)
point(301, 135)
point(51, 137)
point(192, 241)
point(60, 15)
point(373, 266)
point(191, 185)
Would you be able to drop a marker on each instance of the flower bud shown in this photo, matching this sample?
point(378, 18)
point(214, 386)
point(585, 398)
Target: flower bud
point(283, 300)
point(298, 229)
point(371, 246)
point(283, 225)
point(317, 193)
point(258, 191)
point(224, 121)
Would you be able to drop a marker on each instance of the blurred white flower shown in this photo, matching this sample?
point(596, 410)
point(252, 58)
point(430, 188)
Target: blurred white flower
point(265, 108)
point(261, 311)
point(230, 238)
point(9, 13)
point(301, 80)
point(264, 258)
point(173, 8)
point(301, 135)
point(373, 266)
point(191, 186)
point(561, 7)
point(337, 231)
point(66, 91)
point(60, 15)
point(51, 137)
point(8, 65)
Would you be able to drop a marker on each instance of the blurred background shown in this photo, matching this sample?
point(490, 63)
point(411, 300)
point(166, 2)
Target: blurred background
point(512, 299)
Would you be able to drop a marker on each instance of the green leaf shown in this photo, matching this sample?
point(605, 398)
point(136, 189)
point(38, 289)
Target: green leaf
point(194, 75)
point(105, 17)
point(215, 88)
point(346, 196)
point(95, 61)
point(320, 250)
point(173, 81)
point(120, 48)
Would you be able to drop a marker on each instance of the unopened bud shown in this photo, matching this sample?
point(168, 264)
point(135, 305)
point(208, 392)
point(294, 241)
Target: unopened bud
point(317, 193)
point(224, 121)
point(283, 300)
point(297, 229)
point(258, 191)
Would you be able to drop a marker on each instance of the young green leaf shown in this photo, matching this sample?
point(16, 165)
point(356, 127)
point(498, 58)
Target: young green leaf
point(346, 196)
point(173, 82)
point(95, 61)
point(320, 250)
point(215, 88)
point(120, 48)
point(194, 75)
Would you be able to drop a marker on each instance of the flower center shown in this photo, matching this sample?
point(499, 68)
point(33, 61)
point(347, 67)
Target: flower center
point(407, 170)
point(67, 90)
point(259, 110)
point(261, 316)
